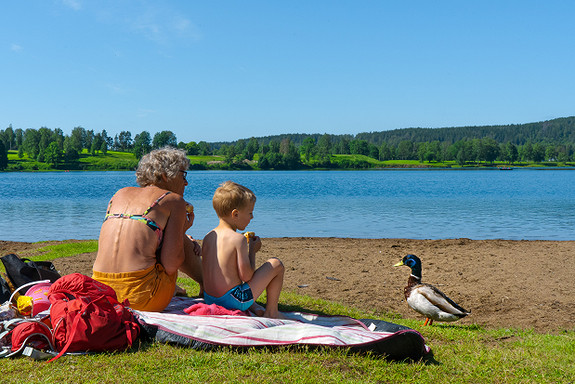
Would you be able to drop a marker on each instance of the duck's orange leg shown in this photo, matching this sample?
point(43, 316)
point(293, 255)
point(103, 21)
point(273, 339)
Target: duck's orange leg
point(428, 321)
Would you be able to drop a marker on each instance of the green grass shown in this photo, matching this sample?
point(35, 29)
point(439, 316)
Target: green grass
point(462, 354)
point(55, 251)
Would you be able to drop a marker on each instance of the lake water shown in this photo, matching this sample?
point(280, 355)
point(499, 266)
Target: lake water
point(417, 204)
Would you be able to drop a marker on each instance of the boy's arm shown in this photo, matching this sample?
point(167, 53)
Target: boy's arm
point(255, 243)
point(246, 259)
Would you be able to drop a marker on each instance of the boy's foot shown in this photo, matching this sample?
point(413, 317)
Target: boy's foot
point(276, 315)
point(257, 309)
point(180, 291)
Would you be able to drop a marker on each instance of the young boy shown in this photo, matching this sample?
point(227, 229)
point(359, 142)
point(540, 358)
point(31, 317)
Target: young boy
point(228, 261)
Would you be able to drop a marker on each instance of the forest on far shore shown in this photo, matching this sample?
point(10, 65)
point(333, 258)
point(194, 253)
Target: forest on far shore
point(549, 143)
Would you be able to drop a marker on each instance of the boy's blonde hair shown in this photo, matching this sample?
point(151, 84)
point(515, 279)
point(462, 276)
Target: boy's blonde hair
point(230, 196)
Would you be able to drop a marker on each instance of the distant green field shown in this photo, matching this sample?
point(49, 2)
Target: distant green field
point(124, 161)
point(112, 161)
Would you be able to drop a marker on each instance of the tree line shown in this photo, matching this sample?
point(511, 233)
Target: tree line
point(52, 146)
point(552, 141)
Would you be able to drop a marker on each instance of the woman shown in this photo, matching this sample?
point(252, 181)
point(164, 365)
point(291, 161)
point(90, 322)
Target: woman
point(142, 242)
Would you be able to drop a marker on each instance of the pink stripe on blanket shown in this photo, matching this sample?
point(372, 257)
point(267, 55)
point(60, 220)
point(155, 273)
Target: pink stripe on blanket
point(202, 309)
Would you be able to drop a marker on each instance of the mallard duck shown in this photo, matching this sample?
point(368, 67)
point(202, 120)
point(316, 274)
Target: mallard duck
point(427, 299)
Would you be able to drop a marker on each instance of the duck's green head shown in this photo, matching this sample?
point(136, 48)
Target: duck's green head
point(412, 262)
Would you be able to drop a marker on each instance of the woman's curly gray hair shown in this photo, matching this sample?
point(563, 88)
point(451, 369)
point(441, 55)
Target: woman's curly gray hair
point(164, 161)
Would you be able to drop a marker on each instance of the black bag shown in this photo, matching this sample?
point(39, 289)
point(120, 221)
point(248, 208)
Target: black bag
point(4, 291)
point(23, 271)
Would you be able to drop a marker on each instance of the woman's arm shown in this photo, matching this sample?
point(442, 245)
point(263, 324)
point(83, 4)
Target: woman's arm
point(172, 253)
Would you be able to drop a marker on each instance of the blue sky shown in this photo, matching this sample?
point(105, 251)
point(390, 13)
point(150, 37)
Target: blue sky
point(225, 70)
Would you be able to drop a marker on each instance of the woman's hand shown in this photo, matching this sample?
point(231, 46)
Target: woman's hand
point(189, 217)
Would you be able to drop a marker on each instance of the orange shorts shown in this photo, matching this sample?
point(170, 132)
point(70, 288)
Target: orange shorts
point(150, 289)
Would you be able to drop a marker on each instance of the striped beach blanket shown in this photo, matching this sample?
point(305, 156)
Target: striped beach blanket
point(174, 325)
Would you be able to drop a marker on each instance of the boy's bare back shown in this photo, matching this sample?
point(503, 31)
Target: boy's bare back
point(225, 254)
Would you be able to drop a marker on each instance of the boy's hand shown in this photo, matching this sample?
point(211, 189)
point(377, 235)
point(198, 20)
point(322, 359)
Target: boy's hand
point(255, 244)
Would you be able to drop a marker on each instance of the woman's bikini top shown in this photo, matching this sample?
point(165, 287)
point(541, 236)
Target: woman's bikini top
point(142, 218)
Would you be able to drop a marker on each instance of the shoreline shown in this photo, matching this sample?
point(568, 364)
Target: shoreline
point(407, 167)
point(524, 284)
point(315, 237)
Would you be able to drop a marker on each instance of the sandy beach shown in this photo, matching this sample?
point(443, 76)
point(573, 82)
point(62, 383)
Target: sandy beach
point(520, 284)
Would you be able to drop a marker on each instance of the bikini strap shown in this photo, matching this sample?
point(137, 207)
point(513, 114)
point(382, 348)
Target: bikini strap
point(109, 205)
point(155, 203)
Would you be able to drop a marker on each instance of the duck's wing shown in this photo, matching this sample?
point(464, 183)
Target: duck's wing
point(440, 300)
